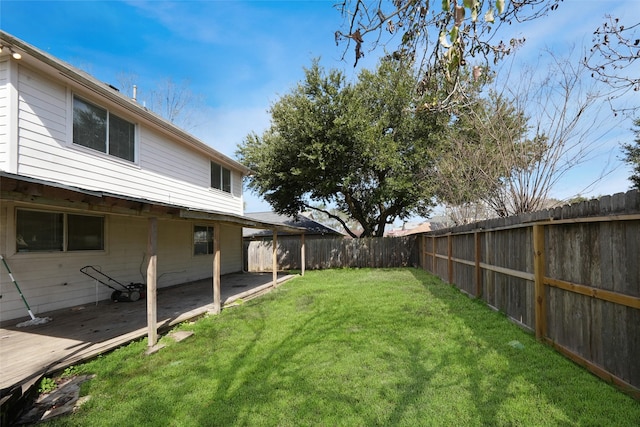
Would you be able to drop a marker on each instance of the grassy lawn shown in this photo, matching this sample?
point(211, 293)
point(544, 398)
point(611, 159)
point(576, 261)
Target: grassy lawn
point(351, 348)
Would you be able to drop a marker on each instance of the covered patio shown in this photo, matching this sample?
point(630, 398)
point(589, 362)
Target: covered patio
point(79, 333)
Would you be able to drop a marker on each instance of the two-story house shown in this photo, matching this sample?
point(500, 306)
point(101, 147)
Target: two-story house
point(91, 177)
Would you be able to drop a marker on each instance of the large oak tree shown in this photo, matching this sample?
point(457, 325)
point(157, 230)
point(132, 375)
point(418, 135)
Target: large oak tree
point(365, 148)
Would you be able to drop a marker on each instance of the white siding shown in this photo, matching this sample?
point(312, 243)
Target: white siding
point(236, 185)
point(36, 140)
point(52, 281)
point(166, 170)
point(231, 249)
point(4, 114)
point(187, 175)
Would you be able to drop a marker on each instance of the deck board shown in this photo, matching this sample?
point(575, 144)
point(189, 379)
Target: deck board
point(81, 333)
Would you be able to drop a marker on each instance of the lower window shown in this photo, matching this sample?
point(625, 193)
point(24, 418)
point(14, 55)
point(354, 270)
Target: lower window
point(202, 240)
point(38, 231)
point(85, 233)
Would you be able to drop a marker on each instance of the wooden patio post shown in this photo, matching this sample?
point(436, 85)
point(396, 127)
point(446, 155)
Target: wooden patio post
point(539, 273)
point(274, 259)
point(216, 269)
point(302, 254)
point(152, 318)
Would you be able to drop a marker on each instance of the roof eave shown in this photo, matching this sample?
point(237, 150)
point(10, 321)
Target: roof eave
point(84, 79)
point(181, 212)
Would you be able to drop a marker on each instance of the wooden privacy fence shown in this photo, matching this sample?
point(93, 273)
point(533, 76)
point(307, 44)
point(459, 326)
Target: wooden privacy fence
point(570, 274)
point(321, 253)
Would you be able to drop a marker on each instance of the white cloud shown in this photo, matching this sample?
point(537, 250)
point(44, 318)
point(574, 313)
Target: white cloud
point(203, 22)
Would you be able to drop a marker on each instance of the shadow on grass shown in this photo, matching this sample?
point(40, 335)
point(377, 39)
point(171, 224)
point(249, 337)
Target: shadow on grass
point(248, 388)
point(434, 357)
point(249, 393)
point(324, 359)
point(530, 371)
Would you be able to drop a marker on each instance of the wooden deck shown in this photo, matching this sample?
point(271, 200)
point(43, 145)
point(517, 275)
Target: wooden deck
point(83, 332)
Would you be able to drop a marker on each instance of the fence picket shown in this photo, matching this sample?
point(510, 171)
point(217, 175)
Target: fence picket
point(572, 278)
point(371, 252)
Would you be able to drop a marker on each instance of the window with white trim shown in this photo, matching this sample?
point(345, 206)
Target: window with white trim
point(220, 177)
point(97, 128)
point(40, 231)
point(202, 240)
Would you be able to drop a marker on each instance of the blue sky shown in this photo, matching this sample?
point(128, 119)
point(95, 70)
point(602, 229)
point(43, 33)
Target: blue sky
point(241, 56)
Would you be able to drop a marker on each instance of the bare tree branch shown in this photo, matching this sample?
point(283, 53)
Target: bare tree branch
point(615, 56)
point(335, 217)
point(567, 113)
point(174, 102)
point(513, 160)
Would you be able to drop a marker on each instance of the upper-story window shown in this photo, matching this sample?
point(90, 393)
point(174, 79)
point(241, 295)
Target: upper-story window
point(220, 177)
point(99, 129)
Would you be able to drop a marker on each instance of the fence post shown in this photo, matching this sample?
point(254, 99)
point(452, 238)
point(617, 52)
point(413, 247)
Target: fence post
point(478, 255)
point(433, 254)
point(539, 273)
point(423, 252)
point(449, 257)
point(302, 255)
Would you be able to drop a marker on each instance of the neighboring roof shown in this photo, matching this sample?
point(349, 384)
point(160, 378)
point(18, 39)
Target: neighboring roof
point(422, 228)
point(310, 226)
point(34, 190)
point(79, 80)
